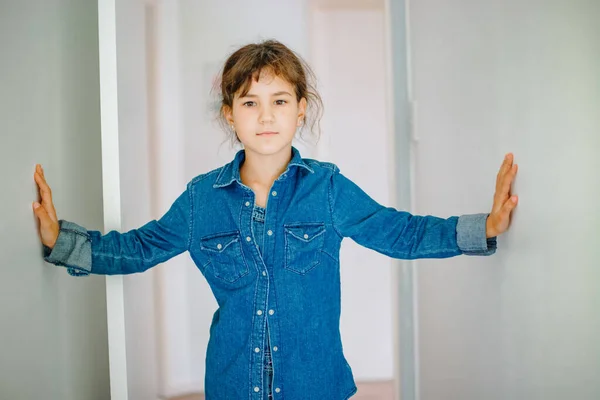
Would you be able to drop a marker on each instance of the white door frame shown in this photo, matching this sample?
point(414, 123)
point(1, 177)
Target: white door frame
point(403, 131)
point(109, 109)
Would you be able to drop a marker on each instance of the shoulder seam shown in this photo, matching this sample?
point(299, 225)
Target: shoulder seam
point(324, 164)
point(204, 176)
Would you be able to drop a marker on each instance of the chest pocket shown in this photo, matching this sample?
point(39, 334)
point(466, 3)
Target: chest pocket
point(226, 257)
point(303, 245)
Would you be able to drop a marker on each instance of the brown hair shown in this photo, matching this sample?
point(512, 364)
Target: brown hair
point(246, 64)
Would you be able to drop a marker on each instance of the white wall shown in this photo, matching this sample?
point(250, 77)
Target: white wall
point(53, 335)
point(492, 77)
point(356, 136)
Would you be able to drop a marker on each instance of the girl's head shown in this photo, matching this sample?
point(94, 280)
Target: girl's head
point(266, 87)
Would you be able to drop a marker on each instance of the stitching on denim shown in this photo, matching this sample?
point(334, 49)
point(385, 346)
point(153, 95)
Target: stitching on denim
point(74, 267)
point(205, 175)
point(329, 194)
point(242, 272)
point(420, 254)
point(251, 364)
point(306, 163)
point(351, 393)
point(236, 232)
point(85, 235)
point(330, 255)
point(125, 257)
point(276, 337)
point(321, 232)
point(264, 331)
point(190, 219)
point(320, 225)
point(322, 164)
point(287, 264)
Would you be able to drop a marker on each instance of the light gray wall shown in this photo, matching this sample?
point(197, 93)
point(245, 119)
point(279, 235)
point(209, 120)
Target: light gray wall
point(492, 77)
point(53, 337)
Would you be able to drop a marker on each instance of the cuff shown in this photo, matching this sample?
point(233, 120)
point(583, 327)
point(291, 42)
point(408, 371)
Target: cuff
point(73, 249)
point(470, 235)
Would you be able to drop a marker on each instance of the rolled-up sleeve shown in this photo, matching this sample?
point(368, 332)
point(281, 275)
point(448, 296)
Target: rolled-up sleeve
point(471, 237)
point(73, 249)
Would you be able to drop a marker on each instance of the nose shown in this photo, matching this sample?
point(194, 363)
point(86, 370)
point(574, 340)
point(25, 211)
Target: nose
point(266, 114)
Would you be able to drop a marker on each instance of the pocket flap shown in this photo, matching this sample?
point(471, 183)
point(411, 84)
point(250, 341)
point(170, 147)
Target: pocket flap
point(306, 231)
point(220, 241)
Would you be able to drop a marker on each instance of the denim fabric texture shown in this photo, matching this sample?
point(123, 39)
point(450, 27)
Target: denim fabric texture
point(258, 227)
point(283, 271)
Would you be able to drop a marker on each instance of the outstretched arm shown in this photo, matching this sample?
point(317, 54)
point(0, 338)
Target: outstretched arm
point(400, 234)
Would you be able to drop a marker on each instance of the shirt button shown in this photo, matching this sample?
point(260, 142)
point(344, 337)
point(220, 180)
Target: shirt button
point(256, 388)
point(275, 348)
point(259, 312)
point(305, 236)
point(247, 203)
point(269, 232)
point(271, 312)
point(248, 238)
point(277, 390)
point(257, 350)
point(219, 246)
point(274, 193)
point(264, 273)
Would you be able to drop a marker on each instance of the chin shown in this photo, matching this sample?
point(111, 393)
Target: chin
point(268, 148)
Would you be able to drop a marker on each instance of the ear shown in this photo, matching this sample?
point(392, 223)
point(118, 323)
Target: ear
point(228, 114)
point(301, 111)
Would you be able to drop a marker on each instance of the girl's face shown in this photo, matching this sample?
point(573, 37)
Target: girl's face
point(266, 118)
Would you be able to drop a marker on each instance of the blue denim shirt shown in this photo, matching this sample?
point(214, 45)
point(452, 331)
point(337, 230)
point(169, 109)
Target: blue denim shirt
point(293, 283)
point(258, 228)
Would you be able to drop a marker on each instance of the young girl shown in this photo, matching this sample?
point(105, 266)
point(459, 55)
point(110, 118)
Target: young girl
point(265, 230)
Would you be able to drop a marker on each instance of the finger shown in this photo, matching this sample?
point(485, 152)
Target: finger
point(506, 165)
point(504, 181)
point(509, 205)
point(508, 180)
point(41, 213)
point(39, 169)
point(45, 190)
point(46, 195)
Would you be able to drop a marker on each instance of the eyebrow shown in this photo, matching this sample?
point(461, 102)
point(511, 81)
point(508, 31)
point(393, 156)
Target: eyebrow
point(274, 94)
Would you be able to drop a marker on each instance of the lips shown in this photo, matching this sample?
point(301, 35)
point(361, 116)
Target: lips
point(267, 133)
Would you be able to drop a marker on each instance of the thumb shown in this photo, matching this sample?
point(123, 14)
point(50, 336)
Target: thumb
point(40, 212)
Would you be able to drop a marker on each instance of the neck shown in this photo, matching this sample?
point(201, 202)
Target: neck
point(264, 169)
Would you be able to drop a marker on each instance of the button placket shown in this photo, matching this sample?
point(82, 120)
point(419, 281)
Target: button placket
point(258, 334)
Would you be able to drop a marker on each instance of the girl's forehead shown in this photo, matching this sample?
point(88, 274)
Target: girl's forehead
point(270, 80)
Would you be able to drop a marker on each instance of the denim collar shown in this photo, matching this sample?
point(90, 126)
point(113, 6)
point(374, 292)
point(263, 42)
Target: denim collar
point(231, 172)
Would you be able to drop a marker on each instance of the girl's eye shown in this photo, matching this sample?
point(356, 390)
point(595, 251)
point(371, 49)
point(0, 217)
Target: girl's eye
point(248, 104)
point(280, 102)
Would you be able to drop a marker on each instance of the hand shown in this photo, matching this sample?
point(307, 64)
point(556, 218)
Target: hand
point(45, 212)
point(498, 220)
